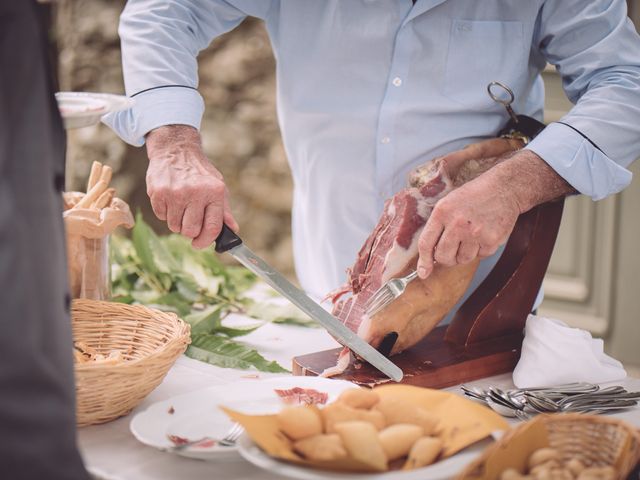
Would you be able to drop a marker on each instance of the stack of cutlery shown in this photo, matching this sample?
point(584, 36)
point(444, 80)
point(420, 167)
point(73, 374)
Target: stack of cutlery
point(573, 397)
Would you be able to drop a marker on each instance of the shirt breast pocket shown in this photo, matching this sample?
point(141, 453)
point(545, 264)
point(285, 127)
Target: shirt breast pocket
point(481, 52)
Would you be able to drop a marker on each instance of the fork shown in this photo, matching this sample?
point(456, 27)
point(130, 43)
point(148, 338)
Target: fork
point(387, 293)
point(229, 440)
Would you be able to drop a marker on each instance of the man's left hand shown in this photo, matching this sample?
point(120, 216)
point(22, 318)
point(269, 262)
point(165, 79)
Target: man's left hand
point(478, 217)
point(472, 221)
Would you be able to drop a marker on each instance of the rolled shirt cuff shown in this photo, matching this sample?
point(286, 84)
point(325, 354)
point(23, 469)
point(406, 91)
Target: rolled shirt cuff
point(579, 162)
point(155, 108)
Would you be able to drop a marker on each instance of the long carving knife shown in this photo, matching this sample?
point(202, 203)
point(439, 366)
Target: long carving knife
point(229, 242)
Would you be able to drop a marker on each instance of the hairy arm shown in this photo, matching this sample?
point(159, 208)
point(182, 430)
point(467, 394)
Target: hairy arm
point(530, 179)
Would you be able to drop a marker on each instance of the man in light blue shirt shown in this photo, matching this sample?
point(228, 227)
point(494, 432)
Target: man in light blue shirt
point(367, 90)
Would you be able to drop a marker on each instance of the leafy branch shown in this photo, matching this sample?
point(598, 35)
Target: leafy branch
point(167, 273)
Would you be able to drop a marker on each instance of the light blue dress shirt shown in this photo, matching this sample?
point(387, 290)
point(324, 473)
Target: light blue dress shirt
point(367, 90)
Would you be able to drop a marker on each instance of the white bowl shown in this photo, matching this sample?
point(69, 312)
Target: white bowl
point(82, 109)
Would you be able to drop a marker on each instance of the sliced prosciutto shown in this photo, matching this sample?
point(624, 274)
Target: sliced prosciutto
point(302, 396)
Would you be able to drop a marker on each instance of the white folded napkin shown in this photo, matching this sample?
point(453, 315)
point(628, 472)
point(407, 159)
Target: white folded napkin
point(554, 353)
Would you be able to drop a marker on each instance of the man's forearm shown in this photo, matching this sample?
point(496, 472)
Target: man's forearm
point(530, 179)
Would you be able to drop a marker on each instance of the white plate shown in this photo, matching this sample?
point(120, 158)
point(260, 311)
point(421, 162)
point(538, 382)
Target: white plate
point(442, 470)
point(196, 414)
point(81, 109)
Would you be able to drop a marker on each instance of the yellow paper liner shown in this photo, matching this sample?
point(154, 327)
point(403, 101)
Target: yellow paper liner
point(462, 423)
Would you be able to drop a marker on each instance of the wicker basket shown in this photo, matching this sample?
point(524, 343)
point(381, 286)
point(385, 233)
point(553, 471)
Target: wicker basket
point(594, 440)
point(150, 342)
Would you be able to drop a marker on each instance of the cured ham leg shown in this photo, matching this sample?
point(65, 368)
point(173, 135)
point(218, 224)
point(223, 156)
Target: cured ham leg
point(392, 251)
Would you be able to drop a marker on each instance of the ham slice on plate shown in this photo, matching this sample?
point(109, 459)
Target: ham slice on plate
point(302, 396)
point(392, 251)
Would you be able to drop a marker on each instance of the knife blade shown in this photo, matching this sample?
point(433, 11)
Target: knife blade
point(229, 242)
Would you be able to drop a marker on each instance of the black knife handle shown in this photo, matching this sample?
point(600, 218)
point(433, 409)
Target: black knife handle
point(227, 240)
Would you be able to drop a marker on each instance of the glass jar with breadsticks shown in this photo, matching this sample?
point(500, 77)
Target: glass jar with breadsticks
point(89, 220)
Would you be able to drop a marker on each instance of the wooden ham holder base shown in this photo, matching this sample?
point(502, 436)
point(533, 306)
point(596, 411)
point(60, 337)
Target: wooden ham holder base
point(485, 336)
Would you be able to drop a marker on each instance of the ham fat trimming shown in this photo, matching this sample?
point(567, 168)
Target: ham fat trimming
point(392, 251)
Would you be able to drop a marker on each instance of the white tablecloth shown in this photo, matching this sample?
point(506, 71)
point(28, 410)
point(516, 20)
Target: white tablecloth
point(112, 453)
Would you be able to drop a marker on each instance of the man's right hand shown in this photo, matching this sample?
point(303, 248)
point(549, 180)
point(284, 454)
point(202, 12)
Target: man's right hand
point(185, 189)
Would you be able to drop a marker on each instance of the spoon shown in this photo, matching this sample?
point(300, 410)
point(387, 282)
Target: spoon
point(506, 398)
point(616, 392)
point(541, 404)
point(606, 405)
point(506, 411)
point(501, 409)
point(474, 392)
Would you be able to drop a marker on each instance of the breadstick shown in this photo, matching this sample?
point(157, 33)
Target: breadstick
point(104, 200)
point(92, 195)
point(105, 175)
point(96, 169)
point(66, 203)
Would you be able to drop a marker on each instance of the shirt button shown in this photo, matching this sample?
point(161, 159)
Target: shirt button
point(385, 140)
point(397, 82)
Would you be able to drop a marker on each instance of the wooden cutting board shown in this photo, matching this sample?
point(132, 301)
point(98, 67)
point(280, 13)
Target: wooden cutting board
point(433, 362)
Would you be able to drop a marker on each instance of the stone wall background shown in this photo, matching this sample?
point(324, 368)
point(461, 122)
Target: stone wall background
point(240, 131)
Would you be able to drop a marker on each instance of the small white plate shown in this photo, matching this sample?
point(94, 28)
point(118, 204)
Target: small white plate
point(442, 470)
point(82, 109)
point(196, 414)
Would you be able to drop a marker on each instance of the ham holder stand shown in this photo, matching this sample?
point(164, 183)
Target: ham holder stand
point(485, 336)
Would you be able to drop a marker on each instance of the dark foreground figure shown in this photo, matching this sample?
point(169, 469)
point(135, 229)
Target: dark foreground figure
point(37, 406)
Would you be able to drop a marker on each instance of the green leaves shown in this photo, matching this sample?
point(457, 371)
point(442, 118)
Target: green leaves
point(207, 283)
point(153, 254)
point(227, 353)
point(167, 273)
point(205, 321)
